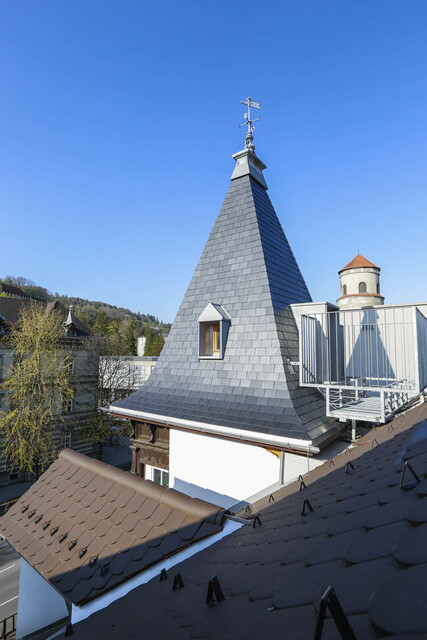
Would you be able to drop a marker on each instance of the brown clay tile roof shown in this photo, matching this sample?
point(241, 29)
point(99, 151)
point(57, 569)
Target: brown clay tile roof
point(12, 290)
point(358, 261)
point(86, 526)
point(10, 308)
point(366, 536)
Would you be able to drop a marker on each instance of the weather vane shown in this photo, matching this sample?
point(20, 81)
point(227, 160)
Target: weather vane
point(249, 122)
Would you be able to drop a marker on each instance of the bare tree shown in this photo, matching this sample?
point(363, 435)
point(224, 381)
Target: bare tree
point(116, 378)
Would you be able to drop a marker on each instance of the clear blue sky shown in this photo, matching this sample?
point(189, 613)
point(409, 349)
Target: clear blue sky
point(118, 120)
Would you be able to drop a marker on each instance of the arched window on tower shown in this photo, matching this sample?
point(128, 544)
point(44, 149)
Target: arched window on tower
point(378, 287)
point(344, 289)
point(362, 287)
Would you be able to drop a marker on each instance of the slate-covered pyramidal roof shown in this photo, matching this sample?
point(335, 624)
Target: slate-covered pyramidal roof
point(248, 268)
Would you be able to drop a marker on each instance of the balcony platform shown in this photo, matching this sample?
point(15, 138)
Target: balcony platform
point(366, 409)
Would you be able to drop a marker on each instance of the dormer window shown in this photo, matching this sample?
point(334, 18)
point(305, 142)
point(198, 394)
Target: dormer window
point(210, 335)
point(214, 323)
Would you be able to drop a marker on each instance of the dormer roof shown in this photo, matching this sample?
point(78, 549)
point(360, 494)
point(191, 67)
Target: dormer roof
point(359, 262)
point(213, 313)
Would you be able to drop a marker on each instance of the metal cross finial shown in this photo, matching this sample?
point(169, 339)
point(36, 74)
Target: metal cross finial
point(249, 122)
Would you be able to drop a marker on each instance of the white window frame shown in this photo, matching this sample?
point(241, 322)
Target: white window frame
point(150, 473)
point(66, 440)
point(213, 314)
point(67, 405)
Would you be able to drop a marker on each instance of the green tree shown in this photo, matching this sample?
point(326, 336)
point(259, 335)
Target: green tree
point(37, 293)
point(115, 327)
point(129, 337)
point(37, 384)
point(102, 324)
point(154, 343)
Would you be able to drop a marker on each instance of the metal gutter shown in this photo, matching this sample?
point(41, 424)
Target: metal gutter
point(275, 442)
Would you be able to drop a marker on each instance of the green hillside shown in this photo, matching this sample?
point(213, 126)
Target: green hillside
point(102, 318)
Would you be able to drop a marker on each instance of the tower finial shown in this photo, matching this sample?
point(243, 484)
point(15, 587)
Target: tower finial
point(249, 137)
point(69, 319)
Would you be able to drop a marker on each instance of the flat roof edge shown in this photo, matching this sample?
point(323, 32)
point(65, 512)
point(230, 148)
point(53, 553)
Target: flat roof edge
point(221, 431)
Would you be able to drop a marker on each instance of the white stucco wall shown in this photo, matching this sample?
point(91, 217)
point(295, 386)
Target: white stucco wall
point(221, 471)
point(355, 302)
point(39, 605)
point(227, 472)
point(352, 277)
point(295, 465)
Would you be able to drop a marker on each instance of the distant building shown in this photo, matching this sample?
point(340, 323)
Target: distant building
point(125, 373)
point(80, 407)
point(141, 345)
point(360, 284)
point(11, 291)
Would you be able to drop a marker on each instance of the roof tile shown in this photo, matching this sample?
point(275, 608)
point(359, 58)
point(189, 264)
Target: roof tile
point(398, 606)
point(411, 548)
point(417, 512)
point(374, 544)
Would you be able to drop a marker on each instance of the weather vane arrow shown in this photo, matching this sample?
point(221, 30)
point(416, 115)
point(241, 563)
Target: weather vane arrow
point(249, 121)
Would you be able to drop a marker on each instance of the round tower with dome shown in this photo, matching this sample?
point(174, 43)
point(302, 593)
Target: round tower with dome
point(360, 284)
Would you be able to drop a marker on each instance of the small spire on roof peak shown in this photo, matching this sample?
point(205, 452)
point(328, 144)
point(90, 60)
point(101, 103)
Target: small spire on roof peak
point(248, 121)
point(69, 319)
point(247, 162)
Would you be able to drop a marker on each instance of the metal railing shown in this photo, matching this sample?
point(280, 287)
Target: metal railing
point(368, 348)
point(8, 627)
point(371, 360)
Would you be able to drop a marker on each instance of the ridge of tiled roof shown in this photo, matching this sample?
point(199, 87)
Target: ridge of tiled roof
point(365, 536)
point(357, 262)
point(86, 526)
point(248, 267)
point(12, 290)
point(10, 308)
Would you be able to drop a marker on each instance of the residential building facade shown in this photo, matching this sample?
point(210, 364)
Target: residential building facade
point(78, 409)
